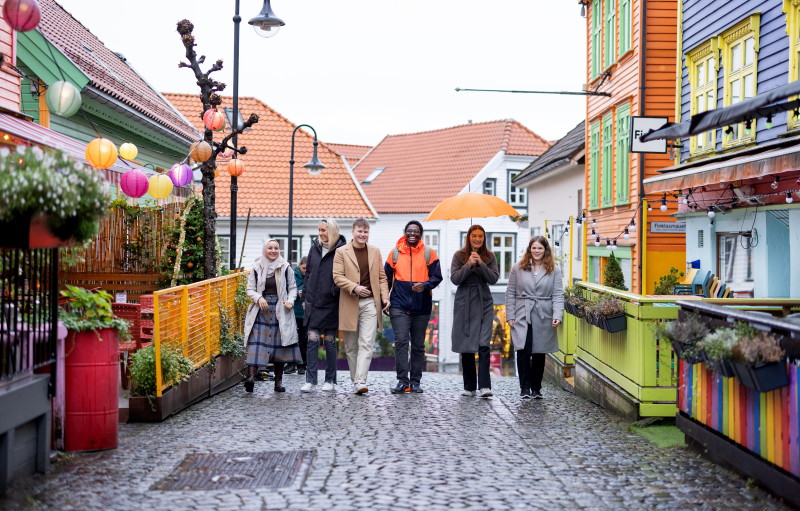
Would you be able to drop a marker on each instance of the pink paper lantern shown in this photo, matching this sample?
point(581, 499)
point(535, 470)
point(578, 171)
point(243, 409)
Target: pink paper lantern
point(22, 15)
point(134, 183)
point(180, 174)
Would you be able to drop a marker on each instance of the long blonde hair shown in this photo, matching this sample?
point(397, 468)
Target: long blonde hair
point(547, 259)
point(333, 232)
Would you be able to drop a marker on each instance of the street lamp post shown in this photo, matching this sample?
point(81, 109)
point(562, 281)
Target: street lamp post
point(314, 167)
point(266, 24)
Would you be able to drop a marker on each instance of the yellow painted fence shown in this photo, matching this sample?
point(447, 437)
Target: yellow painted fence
point(188, 318)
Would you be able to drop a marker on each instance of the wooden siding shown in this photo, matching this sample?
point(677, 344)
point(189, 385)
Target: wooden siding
point(9, 81)
point(658, 100)
point(703, 20)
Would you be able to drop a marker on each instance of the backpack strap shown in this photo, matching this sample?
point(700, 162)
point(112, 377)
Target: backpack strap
point(396, 254)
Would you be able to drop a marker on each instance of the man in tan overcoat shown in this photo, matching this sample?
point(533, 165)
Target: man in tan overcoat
point(358, 271)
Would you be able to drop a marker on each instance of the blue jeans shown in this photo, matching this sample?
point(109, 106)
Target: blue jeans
point(409, 329)
point(329, 339)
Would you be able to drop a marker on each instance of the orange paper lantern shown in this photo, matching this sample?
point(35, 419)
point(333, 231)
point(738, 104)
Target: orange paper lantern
point(200, 151)
point(213, 119)
point(101, 153)
point(235, 167)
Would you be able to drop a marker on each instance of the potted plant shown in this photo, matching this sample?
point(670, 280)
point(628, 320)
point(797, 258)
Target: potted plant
point(666, 283)
point(91, 366)
point(574, 302)
point(176, 370)
point(608, 313)
point(718, 349)
point(757, 361)
point(49, 199)
point(684, 335)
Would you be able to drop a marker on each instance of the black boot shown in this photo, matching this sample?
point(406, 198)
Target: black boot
point(279, 377)
point(250, 383)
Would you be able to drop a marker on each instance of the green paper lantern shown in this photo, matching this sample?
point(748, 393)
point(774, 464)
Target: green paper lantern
point(63, 99)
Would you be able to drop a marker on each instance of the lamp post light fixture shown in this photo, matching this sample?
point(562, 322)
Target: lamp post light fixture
point(314, 167)
point(266, 24)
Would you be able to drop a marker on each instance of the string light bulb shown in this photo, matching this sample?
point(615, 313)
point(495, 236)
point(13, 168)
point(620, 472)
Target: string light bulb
point(663, 204)
point(748, 126)
point(594, 222)
point(614, 244)
point(774, 184)
point(608, 244)
point(626, 234)
point(649, 207)
point(711, 213)
point(789, 198)
point(769, 122)
point(597, 241)
point(632, 227)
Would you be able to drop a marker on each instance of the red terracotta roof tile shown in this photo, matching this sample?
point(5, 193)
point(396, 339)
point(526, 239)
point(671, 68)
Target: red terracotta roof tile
point(353, 153)
point(422, 169)
point(264, 186)
point(106, 69)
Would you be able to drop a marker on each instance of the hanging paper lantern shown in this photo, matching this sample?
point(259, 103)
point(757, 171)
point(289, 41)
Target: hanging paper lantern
point(128, 151)
point(22, 15)
point(134, 183)
point(63, 99)
point(235, 167)
point(213, 119)
point(160, 186)
point(180, 174)
point(200, 151)
point(101, 153)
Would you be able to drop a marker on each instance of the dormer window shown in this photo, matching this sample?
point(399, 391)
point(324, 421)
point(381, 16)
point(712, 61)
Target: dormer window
point(375, 173)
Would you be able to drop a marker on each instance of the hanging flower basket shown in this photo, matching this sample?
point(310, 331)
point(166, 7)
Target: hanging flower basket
point(721, 366)
point(32, 232)
point(574, 309)
point(763, 376)
point(684, 351)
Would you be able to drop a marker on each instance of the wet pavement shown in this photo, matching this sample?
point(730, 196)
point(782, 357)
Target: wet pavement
point(432, 451)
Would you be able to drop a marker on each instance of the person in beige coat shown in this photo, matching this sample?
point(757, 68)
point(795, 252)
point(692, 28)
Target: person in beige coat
point(358, 271)
point(534, 309)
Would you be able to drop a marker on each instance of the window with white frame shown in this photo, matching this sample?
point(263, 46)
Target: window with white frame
point(431, 239)
point(490, 186)
point(224, 248)
point(296, 253)
point(516, 196)
point(536, 231)
point(503, 245)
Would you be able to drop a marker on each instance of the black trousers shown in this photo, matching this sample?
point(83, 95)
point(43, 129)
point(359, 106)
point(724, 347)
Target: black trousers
point(302, 339)
point(483, 379)
point(530, 366)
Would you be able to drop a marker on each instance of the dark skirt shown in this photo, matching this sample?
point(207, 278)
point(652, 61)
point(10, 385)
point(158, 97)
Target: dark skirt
point(264, 345)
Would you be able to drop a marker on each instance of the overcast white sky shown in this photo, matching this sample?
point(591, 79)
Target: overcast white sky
point(358, 70)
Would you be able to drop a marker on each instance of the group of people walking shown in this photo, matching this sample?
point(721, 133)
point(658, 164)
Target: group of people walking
point(346, 287)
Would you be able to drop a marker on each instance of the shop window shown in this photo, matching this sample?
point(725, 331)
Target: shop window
point(432, 332)
point(735, 261)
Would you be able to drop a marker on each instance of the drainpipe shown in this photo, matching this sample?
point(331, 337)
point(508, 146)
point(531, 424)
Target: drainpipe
point(642, 87)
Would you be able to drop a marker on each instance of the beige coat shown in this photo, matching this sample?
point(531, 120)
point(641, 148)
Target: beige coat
point(347, 276)
point(287, 292)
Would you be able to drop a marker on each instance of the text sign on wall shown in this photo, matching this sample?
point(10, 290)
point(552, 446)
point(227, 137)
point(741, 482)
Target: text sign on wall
point(642, 125)
point(668, 227)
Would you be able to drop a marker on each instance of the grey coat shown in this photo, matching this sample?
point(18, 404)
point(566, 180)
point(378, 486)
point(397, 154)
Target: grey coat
point(473, 310)
point(534, 301)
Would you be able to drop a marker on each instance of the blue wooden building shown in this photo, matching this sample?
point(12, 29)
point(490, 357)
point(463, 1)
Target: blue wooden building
point(736, 184)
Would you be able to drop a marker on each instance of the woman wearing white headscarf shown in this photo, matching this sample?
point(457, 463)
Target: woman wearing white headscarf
point(269, 326)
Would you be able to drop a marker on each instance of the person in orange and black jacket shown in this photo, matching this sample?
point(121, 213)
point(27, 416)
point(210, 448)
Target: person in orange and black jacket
point(412, 270)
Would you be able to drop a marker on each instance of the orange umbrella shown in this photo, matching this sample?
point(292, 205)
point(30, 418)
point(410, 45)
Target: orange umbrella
point(471, 205)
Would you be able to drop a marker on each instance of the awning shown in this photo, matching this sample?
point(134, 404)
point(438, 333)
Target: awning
point(763, 105)
point(766, 163)
point(77, 150)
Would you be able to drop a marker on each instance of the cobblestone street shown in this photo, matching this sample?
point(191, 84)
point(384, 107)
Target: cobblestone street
point(432, 451)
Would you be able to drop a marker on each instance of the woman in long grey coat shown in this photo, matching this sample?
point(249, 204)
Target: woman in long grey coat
point(269, 326)
point(534, 308)
point(473, 270)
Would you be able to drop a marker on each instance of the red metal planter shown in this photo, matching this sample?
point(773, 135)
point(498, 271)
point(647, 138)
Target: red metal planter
point(91, 366)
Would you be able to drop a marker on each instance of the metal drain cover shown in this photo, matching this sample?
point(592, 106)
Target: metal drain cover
point(238, 470)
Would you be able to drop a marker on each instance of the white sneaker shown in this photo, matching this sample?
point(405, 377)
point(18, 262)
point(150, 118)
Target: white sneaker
point(308, 387)
point(361, 388)
point(328, 387)
point(485, 393)
point(468, 393)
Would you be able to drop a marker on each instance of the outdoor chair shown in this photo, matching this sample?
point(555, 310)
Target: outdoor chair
point(684, 287)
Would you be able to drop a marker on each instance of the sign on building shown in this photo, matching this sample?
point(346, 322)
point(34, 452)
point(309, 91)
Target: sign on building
point(668, 227)
point(641, 126)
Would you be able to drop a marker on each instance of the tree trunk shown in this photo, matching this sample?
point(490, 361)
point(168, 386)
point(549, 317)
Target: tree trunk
point(210, 215)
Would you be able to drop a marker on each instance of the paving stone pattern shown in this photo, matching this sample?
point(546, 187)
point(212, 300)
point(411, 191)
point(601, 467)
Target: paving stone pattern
point(431, 451)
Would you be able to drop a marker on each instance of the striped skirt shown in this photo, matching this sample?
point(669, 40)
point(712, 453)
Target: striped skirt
point(264, 345)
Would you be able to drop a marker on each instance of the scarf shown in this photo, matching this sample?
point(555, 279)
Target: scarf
point(268, 266)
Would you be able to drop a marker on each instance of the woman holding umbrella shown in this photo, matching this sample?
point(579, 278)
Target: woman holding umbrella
point(473, 270)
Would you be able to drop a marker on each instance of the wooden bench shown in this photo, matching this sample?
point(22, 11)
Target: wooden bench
point(134, 284)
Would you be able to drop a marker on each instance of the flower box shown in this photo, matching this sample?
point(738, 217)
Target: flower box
point(762, 377)
point(613, 324)
point(683, 352)
point(721, 366)
point(575, 310)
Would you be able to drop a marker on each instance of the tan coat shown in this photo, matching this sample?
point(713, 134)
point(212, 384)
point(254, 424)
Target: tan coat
point(347, 275)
